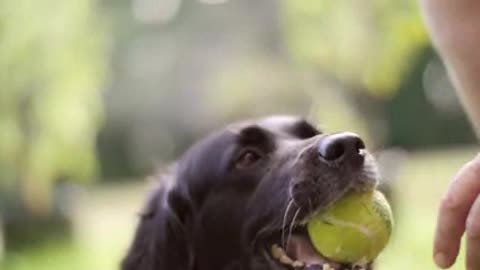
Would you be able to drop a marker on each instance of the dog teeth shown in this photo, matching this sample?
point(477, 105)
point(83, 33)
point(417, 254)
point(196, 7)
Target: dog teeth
point(276, 251)
point(360, 265)
point(326, 266)
point(298, 264)
point(279, 254)
point(286, 260)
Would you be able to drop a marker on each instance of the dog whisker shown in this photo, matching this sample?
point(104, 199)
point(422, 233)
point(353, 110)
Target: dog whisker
point(284, 222)
point(292, 225)
point(310, 205)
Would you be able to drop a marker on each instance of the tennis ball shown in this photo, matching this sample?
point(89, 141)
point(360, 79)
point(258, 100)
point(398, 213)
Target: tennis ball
point(354, 230)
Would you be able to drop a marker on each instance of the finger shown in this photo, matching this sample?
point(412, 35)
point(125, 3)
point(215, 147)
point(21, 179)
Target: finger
point(453, 213)
point(473, 236)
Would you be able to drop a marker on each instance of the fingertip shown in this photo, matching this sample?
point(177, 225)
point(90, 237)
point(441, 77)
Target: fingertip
point(442, 260)
point(448, 233)
point(473, 236)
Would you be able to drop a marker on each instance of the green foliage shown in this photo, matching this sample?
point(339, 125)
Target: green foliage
point(52, 57)
point(367, 44)
point(431, 127)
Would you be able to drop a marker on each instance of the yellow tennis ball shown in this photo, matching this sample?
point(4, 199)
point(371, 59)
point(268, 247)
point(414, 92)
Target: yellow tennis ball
point(354, 230)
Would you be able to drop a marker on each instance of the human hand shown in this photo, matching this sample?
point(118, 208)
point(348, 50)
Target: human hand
point(460, 213)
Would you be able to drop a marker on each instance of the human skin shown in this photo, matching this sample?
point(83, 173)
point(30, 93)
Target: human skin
point(454, 27)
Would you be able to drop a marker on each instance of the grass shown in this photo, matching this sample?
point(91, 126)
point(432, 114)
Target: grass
point(105, 217)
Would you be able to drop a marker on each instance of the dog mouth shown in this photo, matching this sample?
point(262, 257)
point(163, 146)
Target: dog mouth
point(295, 250)
point(298, 253)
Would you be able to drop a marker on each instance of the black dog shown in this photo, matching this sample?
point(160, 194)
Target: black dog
point(237, 199)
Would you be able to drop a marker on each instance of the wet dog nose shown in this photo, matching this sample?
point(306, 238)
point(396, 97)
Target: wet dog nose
point(341, 146)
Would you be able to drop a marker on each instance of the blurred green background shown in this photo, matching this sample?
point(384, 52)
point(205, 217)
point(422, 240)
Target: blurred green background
point(96, 94)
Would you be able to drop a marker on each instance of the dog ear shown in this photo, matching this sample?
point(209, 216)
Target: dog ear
point(161, 239)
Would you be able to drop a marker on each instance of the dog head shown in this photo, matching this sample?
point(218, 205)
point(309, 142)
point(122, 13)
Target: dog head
point(245, 188)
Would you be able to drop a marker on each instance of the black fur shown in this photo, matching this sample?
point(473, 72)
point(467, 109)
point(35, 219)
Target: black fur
point(220, 208)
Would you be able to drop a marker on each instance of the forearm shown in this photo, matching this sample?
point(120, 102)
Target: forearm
point(454, 27)
point(465, 75)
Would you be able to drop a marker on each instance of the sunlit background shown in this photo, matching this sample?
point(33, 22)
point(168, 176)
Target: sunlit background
point(96, 94)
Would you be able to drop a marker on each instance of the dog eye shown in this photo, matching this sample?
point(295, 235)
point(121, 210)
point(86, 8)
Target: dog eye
point(247, 159)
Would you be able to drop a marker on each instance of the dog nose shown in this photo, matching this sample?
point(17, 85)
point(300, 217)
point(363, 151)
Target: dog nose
point(341, 146)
